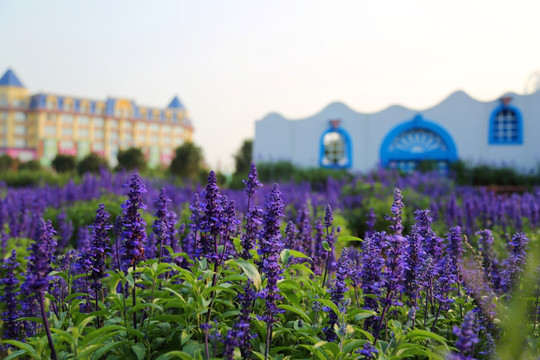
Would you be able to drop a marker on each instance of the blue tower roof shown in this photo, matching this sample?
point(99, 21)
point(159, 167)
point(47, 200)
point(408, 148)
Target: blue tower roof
point(175, 104)
point(10, 79)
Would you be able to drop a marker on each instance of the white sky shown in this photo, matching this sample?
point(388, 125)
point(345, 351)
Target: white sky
point(232, 62)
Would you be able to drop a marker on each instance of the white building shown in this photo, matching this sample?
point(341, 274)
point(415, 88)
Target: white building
point(505, 131)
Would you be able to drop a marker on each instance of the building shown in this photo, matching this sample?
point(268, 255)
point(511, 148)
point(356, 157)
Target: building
point(40, 126)
point(504, 131)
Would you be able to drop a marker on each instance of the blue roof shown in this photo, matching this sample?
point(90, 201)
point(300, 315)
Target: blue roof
point(10, 79)
point(175, 104)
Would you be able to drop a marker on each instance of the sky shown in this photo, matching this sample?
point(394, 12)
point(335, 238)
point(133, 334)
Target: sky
point(233, 62)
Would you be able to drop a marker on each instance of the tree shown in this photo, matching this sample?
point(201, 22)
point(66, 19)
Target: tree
point(187, 162)
point(6, 162)
point(63, 163)
point(243, 157)
point(91, 163)
point(131, 159)
point(30, 165)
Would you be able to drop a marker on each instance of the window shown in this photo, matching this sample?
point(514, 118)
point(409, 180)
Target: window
point(416, 141)
point(128, 125)
point(141, 126)
point(98, 121)
point(50, 105)
point(335, 147)
point(83, 120)
point(98, 147)
point(83, 108)
point(98, 134)
point(67, 119)
point(83, 133)
point(154, 127)
point(50, 130)
point(20, 116)
point(67, 131)
point(113, 123)
point(505, 125)
point(68, 106)
point(20, 130)
point(20, 143)
point(67, 145)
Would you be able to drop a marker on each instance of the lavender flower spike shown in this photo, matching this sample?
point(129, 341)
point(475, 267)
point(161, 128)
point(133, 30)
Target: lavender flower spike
point(10, 284)
point(39, 262)
point(396, 209)
point(467, 337)
point(253, 182)
point(99, 246)
point(134, 232)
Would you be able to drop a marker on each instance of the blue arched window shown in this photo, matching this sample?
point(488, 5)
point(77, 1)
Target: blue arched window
point(417, 140)
point(505, 125)
point(335, 148)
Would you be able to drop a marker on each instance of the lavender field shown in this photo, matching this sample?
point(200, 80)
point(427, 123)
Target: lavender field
point(383, 266)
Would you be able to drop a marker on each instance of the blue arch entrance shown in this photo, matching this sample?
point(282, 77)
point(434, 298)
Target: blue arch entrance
point(417, 140)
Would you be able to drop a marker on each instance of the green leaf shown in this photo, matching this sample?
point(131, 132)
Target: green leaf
point(103, 350)
point(330, 304)
point(352, 344)
point(418, 334)
point(326, 246)
point(23, 346)
point(285, 255)
point(298, 254)
point(175, 355)
point(250, 270)
point(301, 267)
point(15, 355)
point(296, 311)
point(346, 238)
point(140, 350)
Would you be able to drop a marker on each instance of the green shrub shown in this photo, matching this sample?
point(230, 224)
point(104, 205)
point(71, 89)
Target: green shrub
point(64, 163)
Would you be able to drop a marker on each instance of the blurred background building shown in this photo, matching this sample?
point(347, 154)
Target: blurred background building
point(40, 126)
point(503, 131)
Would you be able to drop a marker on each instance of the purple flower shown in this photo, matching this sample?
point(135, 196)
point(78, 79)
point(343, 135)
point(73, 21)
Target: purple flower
point(394, 273)
point(514, 265)
point(328, 217)
point(269, 250)
point(10, 285)
point(252, 183)
point(160, 228)
point(454, 249)
point(372, 264)
point(368, 351)
point(489, 257)
point(240, 334)
point(211, 223)
point(134, 227)
point(99, 246)
point(396, 209)
point(253, 223)
point(370, 222)
point(319, 253)
point(41, 256)
point(65, 229)
point(304, 237)
point(290, 232)
point(337, 294)
point(415, 258)
point(467, 337)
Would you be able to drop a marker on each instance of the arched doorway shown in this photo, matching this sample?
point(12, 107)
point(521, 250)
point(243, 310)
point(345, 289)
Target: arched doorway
point(415, 141)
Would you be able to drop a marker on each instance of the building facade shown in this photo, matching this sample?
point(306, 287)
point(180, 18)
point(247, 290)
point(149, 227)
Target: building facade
point(504, 131)
point(40, 126)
